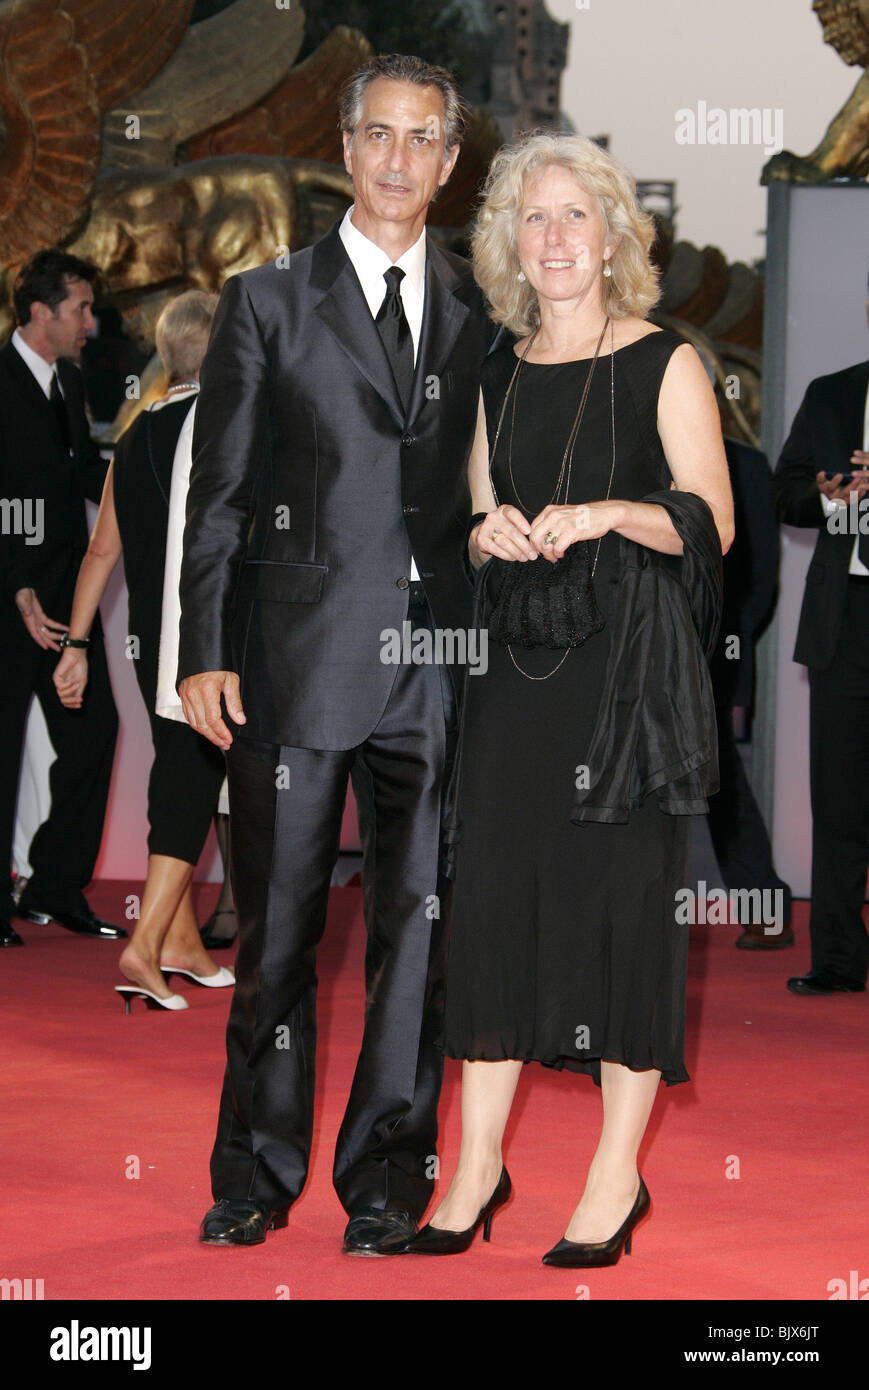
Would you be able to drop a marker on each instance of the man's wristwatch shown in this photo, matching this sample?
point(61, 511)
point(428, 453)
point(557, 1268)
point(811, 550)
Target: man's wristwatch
point(67, 641)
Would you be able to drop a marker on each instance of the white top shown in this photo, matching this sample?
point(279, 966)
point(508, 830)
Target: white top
point(168, 700)
point(371, 263)
point(42, 370)
point(856, 566)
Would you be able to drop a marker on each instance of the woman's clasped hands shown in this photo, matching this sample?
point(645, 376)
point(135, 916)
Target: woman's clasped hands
point(507, 534)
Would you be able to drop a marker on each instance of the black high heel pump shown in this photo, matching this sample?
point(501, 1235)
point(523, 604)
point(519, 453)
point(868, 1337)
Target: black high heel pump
point(432, 1241)
point(568, 1254)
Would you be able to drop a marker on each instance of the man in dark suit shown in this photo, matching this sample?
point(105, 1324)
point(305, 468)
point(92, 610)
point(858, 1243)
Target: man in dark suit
point(338, 404)
point(830, 436)
point(739, 835)
point(48, 466)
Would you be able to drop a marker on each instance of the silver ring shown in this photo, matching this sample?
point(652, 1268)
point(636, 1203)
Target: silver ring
point(549, 539)
point(495, 533)
point(42, 627)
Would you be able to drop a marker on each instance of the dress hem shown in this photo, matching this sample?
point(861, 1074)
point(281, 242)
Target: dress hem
point(588, 1066)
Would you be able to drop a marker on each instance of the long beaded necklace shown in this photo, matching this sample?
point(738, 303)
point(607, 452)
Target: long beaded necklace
point(567, 457)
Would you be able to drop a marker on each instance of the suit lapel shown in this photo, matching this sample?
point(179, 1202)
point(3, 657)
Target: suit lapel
point(856, 412)
point(442, 319)
point(33, 392)
point(344, 310)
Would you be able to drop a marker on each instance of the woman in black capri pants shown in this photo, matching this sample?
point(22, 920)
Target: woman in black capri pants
point(187, 770)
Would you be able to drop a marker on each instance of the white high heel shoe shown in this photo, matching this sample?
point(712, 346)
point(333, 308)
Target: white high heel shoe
point(153, 1001)
point(221, 980)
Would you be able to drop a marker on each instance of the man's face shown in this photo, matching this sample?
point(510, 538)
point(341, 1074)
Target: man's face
point(66, 330)
point(396, 154)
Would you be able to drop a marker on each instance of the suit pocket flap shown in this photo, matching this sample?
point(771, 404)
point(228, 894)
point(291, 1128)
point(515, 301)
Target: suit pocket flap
point(285, 583)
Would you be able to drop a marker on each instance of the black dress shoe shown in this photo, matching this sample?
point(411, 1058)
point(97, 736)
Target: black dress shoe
point(378, 1231)
point(232, 1221)
point(8, 934)
point(82, 922)
point(756, 939)
point(824, 982)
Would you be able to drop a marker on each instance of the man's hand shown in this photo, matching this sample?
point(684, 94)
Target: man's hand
point(200, 696)
point(44, 631)
point(858, 487)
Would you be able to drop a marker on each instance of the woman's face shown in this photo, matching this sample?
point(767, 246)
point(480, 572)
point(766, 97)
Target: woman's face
point(561, 236)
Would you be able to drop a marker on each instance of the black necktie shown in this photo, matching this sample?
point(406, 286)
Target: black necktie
point(394, 329)
point(862, 538)
point(59, 405)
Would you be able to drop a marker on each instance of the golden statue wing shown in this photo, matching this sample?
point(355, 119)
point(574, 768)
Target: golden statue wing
point(62, 62)
point(221, 66)
point(299, 117)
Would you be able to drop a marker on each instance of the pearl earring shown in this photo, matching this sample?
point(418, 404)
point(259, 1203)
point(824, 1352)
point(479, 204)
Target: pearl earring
point(521, 276)
point(607, 269)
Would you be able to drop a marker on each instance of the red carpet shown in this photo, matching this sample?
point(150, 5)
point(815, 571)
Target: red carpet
point(779, 1091)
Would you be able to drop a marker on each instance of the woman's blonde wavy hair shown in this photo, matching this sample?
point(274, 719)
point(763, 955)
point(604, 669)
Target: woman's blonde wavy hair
point(633, 286)
point(181, 332)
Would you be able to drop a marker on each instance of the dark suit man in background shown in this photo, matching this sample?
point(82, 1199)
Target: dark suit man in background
point(830, 436)
point(48, 466)
point(338, 403)
point(736, 826)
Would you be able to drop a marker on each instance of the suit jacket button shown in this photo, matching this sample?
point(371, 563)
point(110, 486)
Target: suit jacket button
point(403, 582)
point(407, 440)
point(409, 511)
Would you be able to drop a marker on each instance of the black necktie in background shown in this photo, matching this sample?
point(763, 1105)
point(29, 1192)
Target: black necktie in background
point(59, 405)
point(862, 512)
point(394, 329)
point(863, 541)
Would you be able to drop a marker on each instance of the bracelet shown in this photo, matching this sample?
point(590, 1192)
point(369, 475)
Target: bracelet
point(475, 521)
point(67, 641)
point(466, 554)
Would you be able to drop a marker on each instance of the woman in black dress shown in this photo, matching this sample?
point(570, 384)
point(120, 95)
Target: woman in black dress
point(187, 770)
point(579, 762)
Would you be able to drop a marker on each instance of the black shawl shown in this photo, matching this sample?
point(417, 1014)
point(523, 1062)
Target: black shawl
point(656, 729)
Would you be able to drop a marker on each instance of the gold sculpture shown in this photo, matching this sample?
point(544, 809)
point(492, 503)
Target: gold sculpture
point(174, 156)
point(844, 150)
point(223, 154)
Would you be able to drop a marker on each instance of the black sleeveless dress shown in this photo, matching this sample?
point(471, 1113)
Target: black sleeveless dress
point(564, 946)
point(187, 771)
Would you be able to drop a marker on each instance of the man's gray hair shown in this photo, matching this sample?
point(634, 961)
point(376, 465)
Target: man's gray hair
point(402, 67)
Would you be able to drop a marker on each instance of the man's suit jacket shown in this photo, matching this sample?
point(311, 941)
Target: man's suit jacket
point(35, 463)
point(827, 429)
point(310, 483)
point(750, 570)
